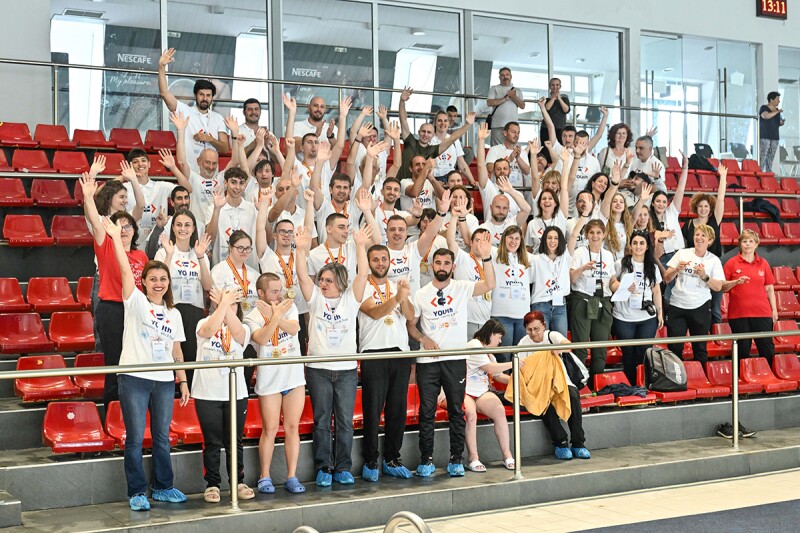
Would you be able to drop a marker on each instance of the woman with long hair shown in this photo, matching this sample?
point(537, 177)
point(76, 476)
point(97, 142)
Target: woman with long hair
point(618, 227)
point(619, 140)
point(551, 283)
point(552, 210)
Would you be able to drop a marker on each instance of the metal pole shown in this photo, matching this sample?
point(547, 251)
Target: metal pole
point(741, 213)
point(517, 437)
point(234, 455)
point(735, 383)
point(55, 95)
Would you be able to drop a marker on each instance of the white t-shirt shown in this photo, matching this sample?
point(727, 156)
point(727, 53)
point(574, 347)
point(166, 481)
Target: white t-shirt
point(302, 127)
point(671, 222)
point(269, 262)
point(646, 167)
point(276, 379)
point(304, 171)
point(210, 122)
point(446, 161)
point(242, 217)
point(426, 256)
point(496, 230)
point(382, 216)
point(582, 241)
point(477, 379)
point(607, 158)
point(375, 334)
point(622, 239)
point(321, 256)
point(297, 219)
point(332, 328)
point(351, 211)
point(222, 278)
point(472, 224)
point(489, 192)
point(469, 268)
point(515, 176)
point(184, 269)
point(149, 336)
point(212, 383)
point(505, 112)
point(511, 295)
point(550, 337)
point(536, 227)
point(404, 263)
point(201, 228)
point(550, 278)
point(426, 196)
point(588, 166)
point(602, 271)
point(631, 309)
point(201, 197)
point(445, 324)
point(382, 162)
point(690, 292)
point(156, 197)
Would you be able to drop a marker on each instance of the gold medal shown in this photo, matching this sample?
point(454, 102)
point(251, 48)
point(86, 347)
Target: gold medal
point(423, 267)
point(245, 305)
point(276, 353)
point(389, 321)
point(487, 296)
point(291, 293)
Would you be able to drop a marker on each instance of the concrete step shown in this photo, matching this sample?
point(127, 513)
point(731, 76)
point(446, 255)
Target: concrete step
point(545, 479)
point(10, 510)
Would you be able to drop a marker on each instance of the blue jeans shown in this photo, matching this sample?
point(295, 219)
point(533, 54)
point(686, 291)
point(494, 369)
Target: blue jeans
point(515, 331)
point(632, 356)
point(666, 292)
point(136, 396)
point(555, 316)
point(333, 392)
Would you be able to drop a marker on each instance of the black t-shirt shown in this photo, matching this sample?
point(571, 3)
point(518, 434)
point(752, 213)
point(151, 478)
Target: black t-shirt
point(688, 235)
point(411, 149)
point(557, 115)
point(769, 126)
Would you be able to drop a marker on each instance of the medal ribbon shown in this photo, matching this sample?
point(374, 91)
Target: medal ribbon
point(339, 258)
point(225, 339)
point(378, 289)
point(478, 266)
point(288, 268)
point(277, 330)
point(240, 280)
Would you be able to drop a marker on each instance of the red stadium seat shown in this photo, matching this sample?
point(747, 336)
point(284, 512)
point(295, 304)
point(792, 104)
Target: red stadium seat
point(588, 400)
point(771, 231)
point(732, 166)
point(74, 427)
point(16, 134)
point(51, 193)
point(665, 397)
point(91, 385)
point(223, 162)
point(115, 427)
point(786, 366)
point(72, 331)
point(785, 279)
point(4, 166)
point(53, 136)
point(791, 231)
point(70, 230)
point(126, 139)
point(723, 307)
point(790, 185)
point(790, 208)
point(70, 162)
point(708, 182)
point(92, 139)
point(756, 370)
point(751, 183)
point(358, 411)
point(412, 404)
point(25, 230)
point(11, 300)
point(84, 293)
point(751, 166)
point(155, 140)
point(720, 348)
point(671, 180)
point(787, 304)
point(477, 203)
point(306, 425)
point(185, 423)
point(156, 168)
point(673, 163)
point(31, 161)
point(47, 295)
point(23, 333)
point(728, 233)
point(609, 378)
point(769, 184)
point(691, 182)
point(253, 424)
point(113, 160)
point(731, 207)
point(789, 342)
point(697, 380)
point(12, 193)
point(720, 374)
point(44, 389)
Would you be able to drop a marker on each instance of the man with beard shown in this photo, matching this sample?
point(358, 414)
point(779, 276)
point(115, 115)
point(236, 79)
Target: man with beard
point(285, 206)
point(251, 108)
point(231, 212)
point(441, 308)
point(339, 197)
point(501, 217)
point(382, 317)
point(500, 169)
point(206, 128)
point(315, 122)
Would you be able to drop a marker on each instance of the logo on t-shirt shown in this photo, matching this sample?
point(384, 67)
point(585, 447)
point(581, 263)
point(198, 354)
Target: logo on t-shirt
point(448, 299)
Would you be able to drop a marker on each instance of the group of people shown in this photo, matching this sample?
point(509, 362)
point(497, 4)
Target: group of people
point(384, 252)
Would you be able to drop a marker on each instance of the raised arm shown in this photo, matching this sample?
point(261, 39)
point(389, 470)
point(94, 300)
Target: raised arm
point(302, 240)
point(459, 210)
point(677, 199)
point(291, 112)
point(315, 183)
point(393, 132)
point(181, 123)
point(719, 209)
point(613, 187)
point(404, 96)
point(258, 147)
point(200, 249)
point(583, 218)
point(168, 161)
point(222, 299)
point(533, 155)
point(524, 208)
point(354, 129)
point(163, 87)
point(126, 274)
point(212, 227)
point(288, 163)
point(481, 249)
point(363, 239)
point(262, 241)
point(356, 139)
point(601, 129)
point(282, 203)
point(89, 188)
point(480, 154)
point(365, 205)
point(129, 175)
point(238, 155)
point(338, 147)
point(469, 120)
point(434, 226)
point(551, 129)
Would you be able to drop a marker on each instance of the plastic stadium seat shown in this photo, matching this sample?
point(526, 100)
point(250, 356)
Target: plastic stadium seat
point(91, 385)
point(756, 370)
point(51, 193)
point(728, 233)
point(126, 139)
point(84, 292)
point(787, 304)
point(44, 389)
point(762, 214)
point(786, 366)
point(306, 425)
point(609, 378)
point(723, 307)
point(785, 279)
point(673, 163)
point(16, 134)
point(671, 180)
point(697, 380)
point(358, 411)
point(691, 182)
point(92, 139)
point(223, 162)
point(720, 374)
point(155, 140)
point(70, 230)
point(70, 162)
point(74, 427)
point(11, 300)
point(750, 183)
point(769, 184)
point(23, 333)
point(751, 166)
point(12, 193)
point(253, 424)
point(47, 295)
point(791, 231)
point(25, 230)
point(771, 231)
point(708, 182)
point(731, 207)
point(185, 423)
point(412, 404)
point(589, 400)
point(665, 397)
point(115, 427)
point(789, 342)
point(113, 160)
point(72, 331)
point(156, 168)
point(720, 348)
point(790, 208)
point(53, 136)
point(4, 166)
point(31, 161)
point(790, 185)
point(733, 167)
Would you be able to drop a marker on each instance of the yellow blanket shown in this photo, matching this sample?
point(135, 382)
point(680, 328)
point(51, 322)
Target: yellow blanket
point(542, 382)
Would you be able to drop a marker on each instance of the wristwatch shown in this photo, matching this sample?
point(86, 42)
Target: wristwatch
point(705, 279)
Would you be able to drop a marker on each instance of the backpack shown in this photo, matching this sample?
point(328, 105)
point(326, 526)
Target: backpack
point(663, 371)
point(697, 162)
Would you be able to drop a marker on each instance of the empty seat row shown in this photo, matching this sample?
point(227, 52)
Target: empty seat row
point(70, 163)
point(44, 295)
point(787, 233)
point(28, 230)
point(17, 134)
point(60, 387)
point(23, 333)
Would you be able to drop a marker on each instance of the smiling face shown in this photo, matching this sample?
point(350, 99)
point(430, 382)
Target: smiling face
point(513, 242)
point(340, 191)
point(391, 191)
point(181, 200)
point(264, 176)
point(155, 283)
point(417, 165)
point(703, 209)
point(284, 233)
point(600, 185)
point(208, 161)
point(396, 233)
point(551, 241)
point(327, 284)
point(701, 241)
point(643, 150)
point(425, 134)
point(240, 250)
point(379, 263)
point(442, 122)
point(141, 166)
point(442, 267)
point(183, 227)
point(119, 201)
point(338, 230)
point(547, 204)
point(316, 109)
point(618, 204)
point(235, 187)
point(620, 137)
point(596, 236)
point(660, 204)
point(638, 247)
point(642, 219)
point(252, 113)
point(511, 134)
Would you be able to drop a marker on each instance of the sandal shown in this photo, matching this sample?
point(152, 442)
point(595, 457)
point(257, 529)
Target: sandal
point(294, 486)
point(509, 463)
point(244, 492)
point(211, 495)
point(265, 486)
point(476, 466)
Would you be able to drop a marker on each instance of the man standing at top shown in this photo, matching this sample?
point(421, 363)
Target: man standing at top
point(206, 128)
point(505, 102)
point(315, 122)
point(770, 118)
point(557, 107)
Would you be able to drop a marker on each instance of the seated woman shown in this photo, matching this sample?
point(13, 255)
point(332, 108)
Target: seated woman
point(537, 335)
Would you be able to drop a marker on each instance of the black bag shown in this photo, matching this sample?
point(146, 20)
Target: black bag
point(697, 162)
point(489, 119)
point(576, 371)
point(761, 205)
point(663, 371)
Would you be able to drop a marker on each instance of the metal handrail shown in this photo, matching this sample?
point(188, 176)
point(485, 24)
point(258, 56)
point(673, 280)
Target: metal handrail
point(401, 517)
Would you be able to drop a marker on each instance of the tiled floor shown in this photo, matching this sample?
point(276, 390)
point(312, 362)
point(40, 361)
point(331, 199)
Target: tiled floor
point(627, 508)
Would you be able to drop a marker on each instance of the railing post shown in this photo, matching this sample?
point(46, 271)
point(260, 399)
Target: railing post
point(55, 95)
point(741, 214)
point(735, 383)
point(517, 437)
point(234, 448)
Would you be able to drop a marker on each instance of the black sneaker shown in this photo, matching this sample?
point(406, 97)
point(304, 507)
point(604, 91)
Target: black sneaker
point(725, 430)
point(745, 432)
point(456, 460)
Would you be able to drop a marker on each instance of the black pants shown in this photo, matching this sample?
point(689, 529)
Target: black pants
point(384, 387)
point(545, 136)
point(450, 376)
point(215, 421)
point(697, 321)
point(586, 329)
point(110, 320)
point(766, 348)
point(575, 423)
point(190, 316)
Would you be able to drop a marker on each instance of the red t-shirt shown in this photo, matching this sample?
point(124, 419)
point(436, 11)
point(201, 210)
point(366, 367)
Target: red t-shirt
point(110, 278)
point(749, 300)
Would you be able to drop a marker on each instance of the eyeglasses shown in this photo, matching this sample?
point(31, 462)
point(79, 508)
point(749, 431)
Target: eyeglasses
point(243, 249)
point(285, 232)
point(440, 299)
point(326, 280)
point(126, 227)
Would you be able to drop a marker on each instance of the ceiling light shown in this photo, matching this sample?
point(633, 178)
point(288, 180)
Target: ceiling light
point(708, 48)
point(534, 54)
point(417, 31)
point(579, 60)
point(668, 69)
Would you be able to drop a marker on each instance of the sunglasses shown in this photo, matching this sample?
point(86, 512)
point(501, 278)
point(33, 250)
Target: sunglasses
point(440, 299)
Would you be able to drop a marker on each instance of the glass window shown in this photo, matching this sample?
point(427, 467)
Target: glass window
point(789, 87)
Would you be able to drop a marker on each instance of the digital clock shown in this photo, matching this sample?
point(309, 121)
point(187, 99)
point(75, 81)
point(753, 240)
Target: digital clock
point(775, 9)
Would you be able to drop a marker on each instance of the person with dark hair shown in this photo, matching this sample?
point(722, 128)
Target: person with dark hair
point(510, 150)
point(511, 293)
point(500, 218)
point(646, 162)
point(334, 305)
point(234, 272)
point(551, 282)
point(770, 119)
point(231, 212)
point(441, 310)
point(180, 201)
point(315, 122)
point(426, 248)
point(251, 109)
point(461, 217)
point(420, 189)
point(206, 128)
point(505, 102)
point(552, 208)
point(557, 107)
point(155, 194)
point(619, 140)
point(451, 158)
point(641, 315)
point(500, 169)
point(482, 369)
point(152, 333)
point(285, 204)
point(264, 174)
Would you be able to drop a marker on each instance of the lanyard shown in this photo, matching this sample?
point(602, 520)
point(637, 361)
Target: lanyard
point(225, 339)
point(288, 268)
point(383, 298)
point(277, 330)
point(339, 254)
point(478, 267)
point(240, 280)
